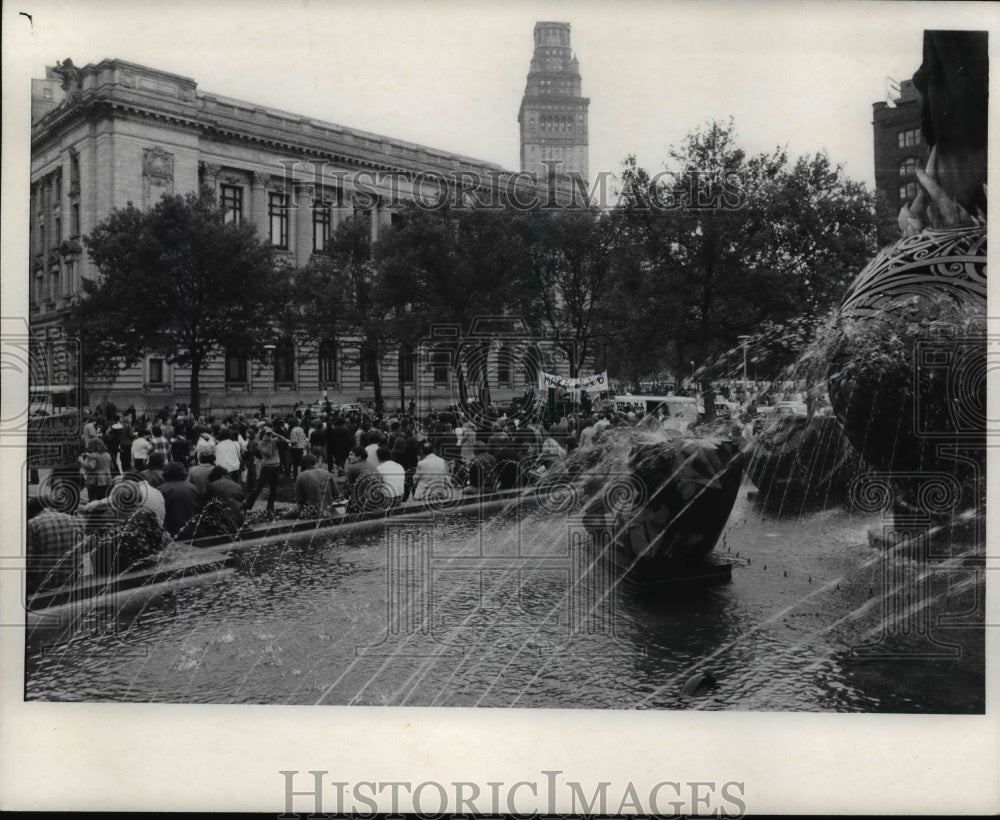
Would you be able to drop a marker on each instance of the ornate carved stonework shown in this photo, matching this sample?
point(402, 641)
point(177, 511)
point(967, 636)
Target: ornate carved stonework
point(157, 174)
point(209, 169)
point(260, 180)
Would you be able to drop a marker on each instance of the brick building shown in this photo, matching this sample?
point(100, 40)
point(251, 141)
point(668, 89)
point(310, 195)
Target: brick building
point(899, 146)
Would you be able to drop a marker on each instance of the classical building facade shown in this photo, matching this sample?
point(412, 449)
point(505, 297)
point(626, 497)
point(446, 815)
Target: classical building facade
point(114, 132)
point(553, 114)
point(899, 146)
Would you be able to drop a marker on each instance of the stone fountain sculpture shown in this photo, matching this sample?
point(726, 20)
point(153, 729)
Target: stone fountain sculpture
point(908, 363)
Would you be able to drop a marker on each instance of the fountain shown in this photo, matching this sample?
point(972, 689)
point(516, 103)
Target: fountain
point(907, 355)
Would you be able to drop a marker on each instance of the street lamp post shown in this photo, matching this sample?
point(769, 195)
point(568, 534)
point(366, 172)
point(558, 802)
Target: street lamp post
point(743, 341)
point(269, 350)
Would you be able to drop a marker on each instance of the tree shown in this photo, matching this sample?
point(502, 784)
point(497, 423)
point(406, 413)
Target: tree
point(177, 280)
point(570, 275)
point(339, 293)
point(724, 243)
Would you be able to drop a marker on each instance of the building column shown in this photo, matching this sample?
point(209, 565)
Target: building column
point(347, 206)
point(258, 204)
point(303, 223)
point(373, 217)
point(210, 175)
point(336, 199)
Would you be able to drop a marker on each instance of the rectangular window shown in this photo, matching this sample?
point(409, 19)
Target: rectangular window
point(369, 364)
point(277, 212)
point(328, 362)
point(406, 365)
point(56, 231)
point(236, 368)
point(908, 138)
point(74, 219)
point(441, 364)
point(156, 371)
point(284, 363)
point(321, 225)
point(504, 367)
point(907, 191)
point(70, 278)
point(232, 202)
point(54, 289)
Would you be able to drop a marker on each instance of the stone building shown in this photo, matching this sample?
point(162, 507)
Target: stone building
point(553, 114)
point(899, 146)
point(114, 132)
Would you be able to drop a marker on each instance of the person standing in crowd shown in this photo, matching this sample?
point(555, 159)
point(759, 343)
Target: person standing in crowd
point(180, 447)
point(270, 469)
point(339, 442)
point(141, 450)
point(182, 499)
point(467, 452)
point(317, 441)
point(375, 439)
point(160, 443)
point(298, 441)
point(91, 430)
point(251, 456)
point(409, 457)
point(206, 441)
point(96, 464)
point(124, 432)
point(154, 472)
point(280, 430)
point(358, 465)
point(227, 454)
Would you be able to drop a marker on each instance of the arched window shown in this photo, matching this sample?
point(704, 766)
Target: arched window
point(908, 166)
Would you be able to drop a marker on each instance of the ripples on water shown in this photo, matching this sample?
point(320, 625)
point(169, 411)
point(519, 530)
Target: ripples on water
point(513, 619)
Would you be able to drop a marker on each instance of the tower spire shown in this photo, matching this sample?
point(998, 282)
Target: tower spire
point(553, 114)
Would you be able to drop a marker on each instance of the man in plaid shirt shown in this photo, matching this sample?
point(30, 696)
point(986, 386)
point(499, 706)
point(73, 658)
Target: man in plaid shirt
point(52, 538)
point(160, 443)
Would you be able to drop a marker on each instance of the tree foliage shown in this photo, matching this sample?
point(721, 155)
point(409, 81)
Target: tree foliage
point(723, 243)
point(176, 280)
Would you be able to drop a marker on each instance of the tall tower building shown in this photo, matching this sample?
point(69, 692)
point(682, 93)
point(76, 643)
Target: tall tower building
point(553, 115)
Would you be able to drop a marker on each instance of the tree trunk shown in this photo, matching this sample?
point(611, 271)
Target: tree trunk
point(402, 389)
point(195, 401)
point(377, 384)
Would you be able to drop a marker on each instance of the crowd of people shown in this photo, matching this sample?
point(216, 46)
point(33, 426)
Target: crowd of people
point(173, 476)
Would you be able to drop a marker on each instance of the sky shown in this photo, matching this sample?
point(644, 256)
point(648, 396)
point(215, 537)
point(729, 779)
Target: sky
point(451, 74)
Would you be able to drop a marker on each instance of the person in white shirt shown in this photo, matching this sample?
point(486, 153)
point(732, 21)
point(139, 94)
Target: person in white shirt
point(227, 455)
point(141, 450)
point(122, 497)
point(375, 440)
point(391, 473)
point(205, 442)
point(431, 472)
